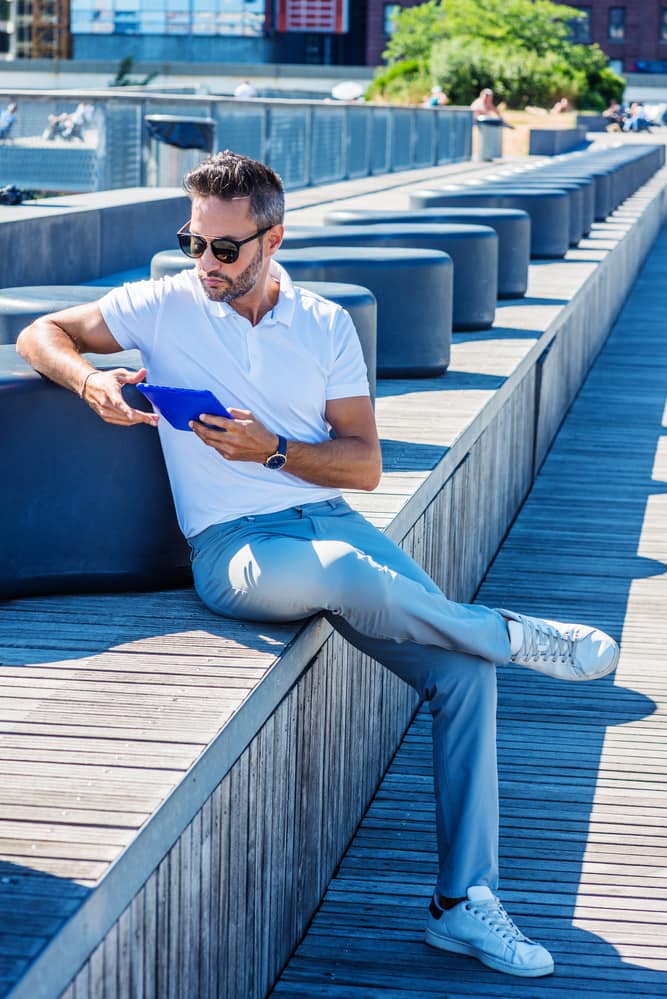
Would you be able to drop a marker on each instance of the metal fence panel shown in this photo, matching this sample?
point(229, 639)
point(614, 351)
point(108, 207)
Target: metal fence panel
point(425, 125)
point(380, 161)
point(306, 142)
point(445, 137)
point(359, 127)
point(288, 145)
point(122, 145)
point(327, 145)
point(242, 129)
point(401, 138)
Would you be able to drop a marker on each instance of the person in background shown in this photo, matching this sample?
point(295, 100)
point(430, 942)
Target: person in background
point(615, 115)
point(245, 90)
point(561, 106)
point(484, 106)
point(636, 119)
point(7, 119)
point(69, 124)
point(436, 99)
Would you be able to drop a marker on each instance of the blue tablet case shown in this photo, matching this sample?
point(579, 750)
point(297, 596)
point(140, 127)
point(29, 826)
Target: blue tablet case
point(181, 405)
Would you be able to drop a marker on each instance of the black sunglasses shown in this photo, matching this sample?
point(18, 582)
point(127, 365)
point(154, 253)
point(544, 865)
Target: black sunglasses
point(223, 248)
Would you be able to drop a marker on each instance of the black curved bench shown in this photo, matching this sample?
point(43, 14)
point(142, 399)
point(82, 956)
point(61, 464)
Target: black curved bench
point(511, 226)
point(473, 249)
point(413, 289)
point(549, 212)
point(72, 476)
point(21, 306)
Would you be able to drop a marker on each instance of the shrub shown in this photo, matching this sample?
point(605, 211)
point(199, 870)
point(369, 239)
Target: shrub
point(404, 82)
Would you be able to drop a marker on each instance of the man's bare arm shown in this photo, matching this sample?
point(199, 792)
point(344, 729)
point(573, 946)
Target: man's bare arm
point(53, 346)
point(352, 460)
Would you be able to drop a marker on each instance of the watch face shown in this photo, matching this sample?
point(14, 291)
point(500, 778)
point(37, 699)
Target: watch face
point(276, 461)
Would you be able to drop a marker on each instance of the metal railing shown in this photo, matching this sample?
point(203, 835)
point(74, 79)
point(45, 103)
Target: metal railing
point(306, 142)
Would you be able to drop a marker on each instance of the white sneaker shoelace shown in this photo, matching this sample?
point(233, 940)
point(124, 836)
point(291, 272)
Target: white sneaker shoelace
point(494, 916)
point(543, 643)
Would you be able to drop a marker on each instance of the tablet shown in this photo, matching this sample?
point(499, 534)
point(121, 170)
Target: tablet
point(181, 405)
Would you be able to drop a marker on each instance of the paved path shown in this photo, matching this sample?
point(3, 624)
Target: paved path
point(583, 768)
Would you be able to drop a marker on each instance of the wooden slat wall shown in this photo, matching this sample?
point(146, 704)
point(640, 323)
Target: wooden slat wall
point(583, 792)
point(223, 909)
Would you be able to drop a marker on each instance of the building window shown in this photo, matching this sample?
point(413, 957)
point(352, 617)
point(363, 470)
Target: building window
point(616, 24)
point(390, 12)
point(580, 27)
point(663, 24)
point(161, 17)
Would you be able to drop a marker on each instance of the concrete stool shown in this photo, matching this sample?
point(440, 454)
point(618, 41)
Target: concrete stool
point(413, 289)
point(601, 180)
point(511, 226)
point(84, 506)
point(582, 205)
point(575, 201)
point(473, 249)
point(21, 306)
point(169, 262)
point(549, 211)
point(361, 304)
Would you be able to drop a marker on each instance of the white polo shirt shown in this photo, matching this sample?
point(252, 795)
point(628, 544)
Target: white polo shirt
point(302, 353)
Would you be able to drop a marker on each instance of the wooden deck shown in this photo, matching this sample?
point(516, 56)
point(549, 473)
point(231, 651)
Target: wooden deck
point(120, 715)
point(583, 768)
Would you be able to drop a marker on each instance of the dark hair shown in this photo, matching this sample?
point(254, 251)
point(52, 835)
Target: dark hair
point(228, 175)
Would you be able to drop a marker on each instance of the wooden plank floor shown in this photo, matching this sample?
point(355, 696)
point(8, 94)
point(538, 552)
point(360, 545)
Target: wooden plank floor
point(583, 768)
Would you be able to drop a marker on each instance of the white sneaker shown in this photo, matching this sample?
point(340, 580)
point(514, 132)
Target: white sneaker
point(480, 927)
point(564, 651)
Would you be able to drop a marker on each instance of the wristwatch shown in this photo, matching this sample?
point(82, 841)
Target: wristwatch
point(279, 457)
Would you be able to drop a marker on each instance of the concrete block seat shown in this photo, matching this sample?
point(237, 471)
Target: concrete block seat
point(69, 475)
point(21, 306)
point(473, 249)
point(413, 289)
point(511, 226)
point(582, 188)
point(359, 302)
point(549, 211)
point(602, 179)
point(581, 217)
point(362, 306)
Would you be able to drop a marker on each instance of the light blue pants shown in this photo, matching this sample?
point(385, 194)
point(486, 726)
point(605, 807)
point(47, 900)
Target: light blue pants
point(326, 557)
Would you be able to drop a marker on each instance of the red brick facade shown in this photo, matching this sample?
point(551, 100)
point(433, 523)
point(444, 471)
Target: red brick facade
point(642, 33)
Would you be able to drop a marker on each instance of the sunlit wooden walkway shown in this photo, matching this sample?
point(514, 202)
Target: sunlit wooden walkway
point(583, 768)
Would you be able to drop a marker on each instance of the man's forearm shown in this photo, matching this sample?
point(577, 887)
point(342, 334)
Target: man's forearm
point(52, 352)
point(346, 463)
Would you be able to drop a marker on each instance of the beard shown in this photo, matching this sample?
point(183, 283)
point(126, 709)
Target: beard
point(240, 286)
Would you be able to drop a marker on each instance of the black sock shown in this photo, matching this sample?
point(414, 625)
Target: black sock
point(440, 904)
point(449, 903)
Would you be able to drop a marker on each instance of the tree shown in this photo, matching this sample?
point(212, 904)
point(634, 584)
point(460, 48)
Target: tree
point(519, 48)
point(537, 25)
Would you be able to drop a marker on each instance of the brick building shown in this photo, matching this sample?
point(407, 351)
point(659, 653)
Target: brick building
point(633, 34)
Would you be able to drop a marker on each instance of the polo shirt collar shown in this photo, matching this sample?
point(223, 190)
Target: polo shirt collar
point(282, 312)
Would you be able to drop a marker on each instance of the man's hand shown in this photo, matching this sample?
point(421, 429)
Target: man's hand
point(103, 395)
point(242, 439)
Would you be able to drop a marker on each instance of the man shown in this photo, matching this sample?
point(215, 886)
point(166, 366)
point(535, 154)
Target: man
point(258, 498)
point(484, 106)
